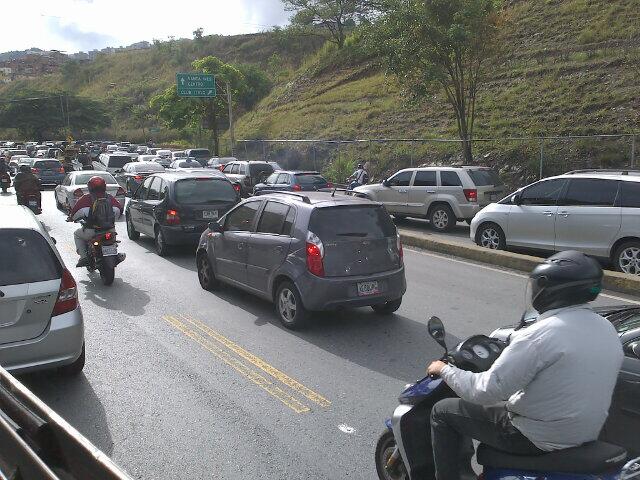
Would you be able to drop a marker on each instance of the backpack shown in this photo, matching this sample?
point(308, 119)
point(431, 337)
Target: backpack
point(101, 214)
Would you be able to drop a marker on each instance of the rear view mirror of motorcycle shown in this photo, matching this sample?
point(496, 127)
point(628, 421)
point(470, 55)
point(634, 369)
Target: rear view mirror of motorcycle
point(436, 330)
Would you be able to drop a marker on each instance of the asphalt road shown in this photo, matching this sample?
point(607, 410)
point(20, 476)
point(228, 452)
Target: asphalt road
point(185, 384)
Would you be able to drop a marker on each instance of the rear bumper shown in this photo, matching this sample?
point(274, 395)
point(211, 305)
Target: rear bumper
point(60, 344)
point(182, 234)
point(51, 179)
point(342, 292)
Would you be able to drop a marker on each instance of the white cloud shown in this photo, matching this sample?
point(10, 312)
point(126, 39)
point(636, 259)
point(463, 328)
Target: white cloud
point(73, 25)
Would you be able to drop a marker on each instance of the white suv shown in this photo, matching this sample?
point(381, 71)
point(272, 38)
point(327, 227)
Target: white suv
point(595, 212)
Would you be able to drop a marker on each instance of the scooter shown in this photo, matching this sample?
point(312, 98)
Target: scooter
point(5, 182)
point(102, 252)
point(404, 450)
point(32, 201)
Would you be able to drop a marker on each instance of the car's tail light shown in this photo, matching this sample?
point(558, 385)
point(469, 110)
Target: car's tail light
point(120, 191)
point(35, 170)
point(471, 194)
point(61, 170)
point(329, 185)
point(237, 187)
point(297, 188)
point(400, 249)
point(137, 177)
point(172, 218)
point(67, 300)
point(78, 193)
point(315, 254)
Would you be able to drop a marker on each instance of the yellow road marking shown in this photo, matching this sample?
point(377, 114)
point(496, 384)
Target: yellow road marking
point(255, 377)
point(258, 362)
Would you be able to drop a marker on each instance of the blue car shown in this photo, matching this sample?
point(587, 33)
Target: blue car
point(49, 172)
point(292, 181)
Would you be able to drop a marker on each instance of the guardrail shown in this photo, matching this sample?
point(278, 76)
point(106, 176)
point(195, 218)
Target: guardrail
point(37, 444)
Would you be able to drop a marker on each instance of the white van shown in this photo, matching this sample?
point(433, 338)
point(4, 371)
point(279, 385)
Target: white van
point(113, 162)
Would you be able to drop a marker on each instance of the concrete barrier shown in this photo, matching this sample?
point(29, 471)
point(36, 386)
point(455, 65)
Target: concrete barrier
point(617, 282)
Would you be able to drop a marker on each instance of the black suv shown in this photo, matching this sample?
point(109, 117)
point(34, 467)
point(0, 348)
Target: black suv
point(174, 208)
point(306, 252)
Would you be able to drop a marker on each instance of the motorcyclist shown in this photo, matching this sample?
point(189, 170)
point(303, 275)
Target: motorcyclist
point(83, 209)
point(4, 168)
point(550, 388)
point(25, 183)
point(359, 177)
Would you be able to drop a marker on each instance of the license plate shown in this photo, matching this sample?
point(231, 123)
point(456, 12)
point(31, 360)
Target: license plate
point(210, 214)
point(33, 203)
point(368, 288)
point(109, 250)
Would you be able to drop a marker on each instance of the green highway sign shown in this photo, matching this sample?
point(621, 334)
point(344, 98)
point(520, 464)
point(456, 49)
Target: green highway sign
point(195, 85)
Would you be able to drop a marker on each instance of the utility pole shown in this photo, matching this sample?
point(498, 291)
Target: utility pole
point(231, 133)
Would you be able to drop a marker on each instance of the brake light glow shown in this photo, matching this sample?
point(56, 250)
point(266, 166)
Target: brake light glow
point(35, 170)
point(471, 194)
point(137, 177)
point(78, 192)
point(236, 187)
point(61, 170)
point(67, 300)
point(315, 254)
point(172, 218)
point(297, 188)
point(108, 236)
point(329, 185)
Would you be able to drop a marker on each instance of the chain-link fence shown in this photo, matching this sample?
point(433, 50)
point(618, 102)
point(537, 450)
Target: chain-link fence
point(519, 160)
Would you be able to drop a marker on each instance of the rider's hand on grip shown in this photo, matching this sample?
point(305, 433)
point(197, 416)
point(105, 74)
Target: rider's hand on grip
point(434, 369)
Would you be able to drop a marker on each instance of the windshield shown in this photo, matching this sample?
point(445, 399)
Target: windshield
point(203, 153)
point(484, 177)
point(118, 161)
point(48, 165)
point(26, 258)
point(84, 178)
point(308, 179)
point(359, 221)
point(199, 191)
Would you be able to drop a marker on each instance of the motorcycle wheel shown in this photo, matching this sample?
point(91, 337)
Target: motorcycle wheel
point(107, 274)
point(384, 449)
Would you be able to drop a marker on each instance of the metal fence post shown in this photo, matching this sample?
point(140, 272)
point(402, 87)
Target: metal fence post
point(541, 156)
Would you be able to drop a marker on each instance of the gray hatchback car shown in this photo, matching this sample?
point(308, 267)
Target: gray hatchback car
point(306, 252)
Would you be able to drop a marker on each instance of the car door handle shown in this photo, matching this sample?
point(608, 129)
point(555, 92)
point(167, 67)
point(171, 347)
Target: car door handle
point(548, 213)
point(564, 214)
point(402, 191)
point(431, 191)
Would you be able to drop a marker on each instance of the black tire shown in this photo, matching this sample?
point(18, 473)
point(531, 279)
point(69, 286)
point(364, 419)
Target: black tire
point(206, 275)
point(387, 308)
point(132, 233)
point(384, 449)
point(441, 218)
point(107, 274)
point(626, 259)
point(289, 307)
point(491, 236)
point(162, 249)
point(74, 368)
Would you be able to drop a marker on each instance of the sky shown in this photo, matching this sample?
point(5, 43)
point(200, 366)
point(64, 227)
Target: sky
point(82, 25)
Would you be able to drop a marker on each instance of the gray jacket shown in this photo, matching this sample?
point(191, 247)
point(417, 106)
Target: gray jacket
point(557, 377)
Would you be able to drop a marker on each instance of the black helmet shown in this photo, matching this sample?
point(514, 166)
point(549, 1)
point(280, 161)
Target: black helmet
point(25, 168)
point(565, 279)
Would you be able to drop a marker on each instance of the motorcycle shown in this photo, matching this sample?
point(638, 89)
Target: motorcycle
point(102, 252)
point(5, 182)
point(404, 451)
point(32, 201)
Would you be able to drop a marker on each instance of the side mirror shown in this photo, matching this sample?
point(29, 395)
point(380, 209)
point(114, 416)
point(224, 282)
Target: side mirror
point(216, 227)
point(436, 330)
point(633, 349)
point(517, 199)
point(385, 183)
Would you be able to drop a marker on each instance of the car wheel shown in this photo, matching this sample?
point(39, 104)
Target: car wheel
point(162, 249)
point(131, 230)
point(442, 218)
point(74, 368)
point(289, 306)
point(387, 308)
point(627, 258)
point(206, 276)
point(491, 236)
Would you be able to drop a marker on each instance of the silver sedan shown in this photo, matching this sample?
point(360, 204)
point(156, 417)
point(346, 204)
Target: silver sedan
point(74, 186)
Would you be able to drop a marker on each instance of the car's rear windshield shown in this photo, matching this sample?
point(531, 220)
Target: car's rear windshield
point(85, 177)
point(118, 161)
point(256, 168)
point(47, 164)
point(310, 179)
point(200, 153)
point(200, 191)
point(26, 258)
point(148, 167)
point(357, 221)
point(484, 177)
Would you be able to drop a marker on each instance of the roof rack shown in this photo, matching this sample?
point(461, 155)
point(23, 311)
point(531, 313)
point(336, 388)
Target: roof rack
point(620, 171)
point(301, 196)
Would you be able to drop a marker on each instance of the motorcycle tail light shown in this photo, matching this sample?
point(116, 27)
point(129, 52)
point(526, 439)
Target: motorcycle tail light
point(108, 236)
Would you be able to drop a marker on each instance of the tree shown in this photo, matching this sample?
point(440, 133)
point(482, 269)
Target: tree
point(257, 86)
point(333, 16)
point(440, 43)
point(197, 34)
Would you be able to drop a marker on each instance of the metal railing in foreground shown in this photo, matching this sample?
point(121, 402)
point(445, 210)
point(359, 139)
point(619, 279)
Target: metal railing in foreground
point(37, 444)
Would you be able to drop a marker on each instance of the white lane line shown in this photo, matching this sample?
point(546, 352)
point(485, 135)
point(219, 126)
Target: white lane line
point(505, 272)
point(343, 427)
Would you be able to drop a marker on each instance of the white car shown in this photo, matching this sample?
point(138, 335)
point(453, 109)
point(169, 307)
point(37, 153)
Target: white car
point(74, 186)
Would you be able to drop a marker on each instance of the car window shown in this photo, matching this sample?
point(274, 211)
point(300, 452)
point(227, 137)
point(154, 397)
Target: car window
point(241, 219)
point(273, 218)
point(627, 323)
point(26, 258)
point(242, 169)
point(83, 178)
point(141, 193)
point(283, 179)
point(425, 178)
point(47, 164)
point(401, 179)
point(358, 221)
point(592, 192)
point(543, 193)
point(162, 189)
point(154, 189)
point(484, 177)
point(450, 179)
point(310, 179)
point(201, 191)
point(235, 168)
point(227, 168)
point(287, 228)
point(118, 161)
point(630, 194)
point(272, 179)
point(260, 169)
